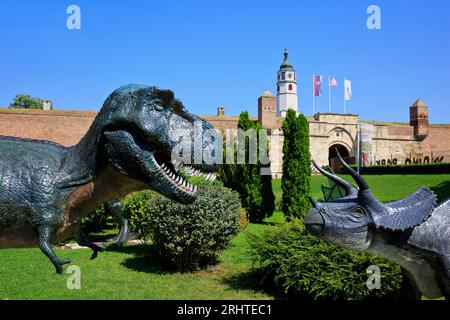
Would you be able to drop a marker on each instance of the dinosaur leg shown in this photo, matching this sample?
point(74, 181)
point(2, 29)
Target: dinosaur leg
point(444, 276)
point(85, 242)
point(45, 234)
point(113, 208)
point(409, 289)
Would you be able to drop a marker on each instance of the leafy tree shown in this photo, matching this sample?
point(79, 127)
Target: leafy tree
point(23, 101)
point(296, 181)
point(227, 171)
point(255, 190)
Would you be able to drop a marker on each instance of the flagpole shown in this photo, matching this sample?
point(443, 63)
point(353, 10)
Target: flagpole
point(358, 144)
point(329, 94)
point(345, 100)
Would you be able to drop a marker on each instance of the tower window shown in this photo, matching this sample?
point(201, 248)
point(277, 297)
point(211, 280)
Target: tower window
point(278, 88)
point(290, 87)
point(283, 76)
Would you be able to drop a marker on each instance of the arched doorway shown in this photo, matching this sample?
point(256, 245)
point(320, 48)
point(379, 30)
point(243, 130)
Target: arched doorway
point(333, 160)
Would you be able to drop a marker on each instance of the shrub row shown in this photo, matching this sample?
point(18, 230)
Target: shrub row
point(435, 168)
point(306, 267)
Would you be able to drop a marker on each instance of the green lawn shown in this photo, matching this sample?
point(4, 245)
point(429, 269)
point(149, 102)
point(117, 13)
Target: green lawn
point(127, 274)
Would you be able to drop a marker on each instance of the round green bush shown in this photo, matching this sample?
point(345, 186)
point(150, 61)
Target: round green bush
point(135, 208)
point(186, 236)
point(302, 265)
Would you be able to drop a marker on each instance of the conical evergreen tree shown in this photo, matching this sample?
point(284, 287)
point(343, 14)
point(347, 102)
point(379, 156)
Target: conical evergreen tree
point(296, 181)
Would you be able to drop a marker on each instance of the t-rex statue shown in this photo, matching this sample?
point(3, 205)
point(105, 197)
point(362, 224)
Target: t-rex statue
point(46, 188)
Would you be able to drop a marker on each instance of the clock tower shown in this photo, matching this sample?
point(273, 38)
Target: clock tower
point(287, 88)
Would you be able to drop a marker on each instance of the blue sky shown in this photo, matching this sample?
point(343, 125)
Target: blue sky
point(227, 53)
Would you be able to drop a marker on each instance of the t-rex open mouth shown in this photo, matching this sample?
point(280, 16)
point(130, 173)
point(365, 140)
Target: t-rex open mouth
point(174, 170)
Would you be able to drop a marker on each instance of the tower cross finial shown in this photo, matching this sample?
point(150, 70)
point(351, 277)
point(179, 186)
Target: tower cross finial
point(285, 53)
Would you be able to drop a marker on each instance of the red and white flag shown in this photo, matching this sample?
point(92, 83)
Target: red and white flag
point(318, 86)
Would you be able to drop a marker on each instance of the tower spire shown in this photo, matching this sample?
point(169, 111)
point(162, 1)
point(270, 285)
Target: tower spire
point(286, 64)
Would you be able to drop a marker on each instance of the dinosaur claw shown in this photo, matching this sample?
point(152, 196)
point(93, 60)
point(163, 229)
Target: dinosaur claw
point(58, 266)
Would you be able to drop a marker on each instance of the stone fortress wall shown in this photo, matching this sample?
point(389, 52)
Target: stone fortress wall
point(60, 126)
point(397, 143)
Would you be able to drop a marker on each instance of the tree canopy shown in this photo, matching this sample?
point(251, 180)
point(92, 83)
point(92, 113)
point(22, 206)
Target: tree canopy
point(23, 101)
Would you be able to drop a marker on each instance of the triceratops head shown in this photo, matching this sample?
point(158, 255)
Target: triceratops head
point(148, 135)
point(350, 222)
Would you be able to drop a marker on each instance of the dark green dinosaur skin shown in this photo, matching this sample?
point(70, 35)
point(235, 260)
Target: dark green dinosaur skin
point(45, 188)
point(112, 208)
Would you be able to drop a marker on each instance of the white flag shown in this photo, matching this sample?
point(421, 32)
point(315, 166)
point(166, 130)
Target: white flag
point(348, 90)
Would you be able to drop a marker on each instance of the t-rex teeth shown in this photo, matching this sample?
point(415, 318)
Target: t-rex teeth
point(195, 189)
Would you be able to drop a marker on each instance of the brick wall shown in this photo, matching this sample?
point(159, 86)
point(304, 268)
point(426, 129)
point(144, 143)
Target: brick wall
point(64, 127)
point(67, 127)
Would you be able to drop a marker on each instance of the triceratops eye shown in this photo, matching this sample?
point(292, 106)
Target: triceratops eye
point(359, 212)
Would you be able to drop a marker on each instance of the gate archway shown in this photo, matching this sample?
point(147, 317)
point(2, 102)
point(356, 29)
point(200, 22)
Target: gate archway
point(333, 160)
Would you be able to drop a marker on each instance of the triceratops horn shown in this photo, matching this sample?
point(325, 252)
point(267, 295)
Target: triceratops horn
point(362, 184)
point(313, 202)
point(349, 188)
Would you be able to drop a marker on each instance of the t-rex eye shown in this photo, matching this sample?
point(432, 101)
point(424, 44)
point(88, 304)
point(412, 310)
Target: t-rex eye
point(359, 212)
point(159, 104)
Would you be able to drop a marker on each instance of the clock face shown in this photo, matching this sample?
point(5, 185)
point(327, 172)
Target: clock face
point(289, 75)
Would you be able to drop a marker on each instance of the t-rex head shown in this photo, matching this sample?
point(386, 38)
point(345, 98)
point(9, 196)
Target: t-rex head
point(149, 136)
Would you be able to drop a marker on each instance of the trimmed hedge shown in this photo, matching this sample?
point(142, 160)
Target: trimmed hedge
point(186, 236)
point(303, 266)
point(434, 168)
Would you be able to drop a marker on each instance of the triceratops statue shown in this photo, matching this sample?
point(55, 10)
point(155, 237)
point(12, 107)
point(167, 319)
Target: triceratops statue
point(413, 232)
